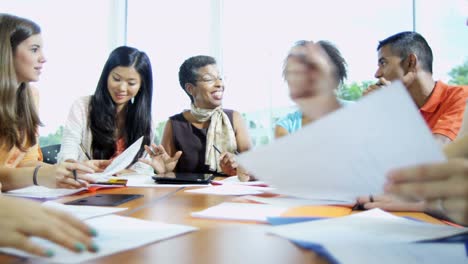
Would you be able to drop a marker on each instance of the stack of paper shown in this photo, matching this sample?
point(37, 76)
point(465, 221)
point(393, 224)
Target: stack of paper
point(374, 226)
point(241, 211)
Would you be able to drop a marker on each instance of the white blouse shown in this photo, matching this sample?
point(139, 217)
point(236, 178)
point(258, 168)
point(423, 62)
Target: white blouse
point(77, 131)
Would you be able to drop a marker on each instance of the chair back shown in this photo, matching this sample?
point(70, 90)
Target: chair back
point(49, 153)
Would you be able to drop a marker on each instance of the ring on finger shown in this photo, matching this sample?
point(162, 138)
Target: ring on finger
point(371, 198)
point(441, 204)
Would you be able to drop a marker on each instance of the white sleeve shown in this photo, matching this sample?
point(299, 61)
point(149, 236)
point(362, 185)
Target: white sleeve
point(75, 131)
point(141, 167)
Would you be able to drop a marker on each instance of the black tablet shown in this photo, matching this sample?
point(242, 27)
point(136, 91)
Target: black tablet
point(105, 199)
point(183, 178)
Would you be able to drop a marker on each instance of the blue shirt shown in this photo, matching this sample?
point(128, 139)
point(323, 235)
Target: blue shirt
point(293, 121)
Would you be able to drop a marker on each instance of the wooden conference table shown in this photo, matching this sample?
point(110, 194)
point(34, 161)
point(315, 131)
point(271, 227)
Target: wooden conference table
point(216, 241)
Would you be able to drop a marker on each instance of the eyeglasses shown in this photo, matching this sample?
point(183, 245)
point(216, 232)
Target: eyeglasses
point(210, 79)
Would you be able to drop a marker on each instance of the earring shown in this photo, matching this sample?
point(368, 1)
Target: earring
point(132, 100)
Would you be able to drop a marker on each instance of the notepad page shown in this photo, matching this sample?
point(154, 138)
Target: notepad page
point(41, 192)
point(121, 162)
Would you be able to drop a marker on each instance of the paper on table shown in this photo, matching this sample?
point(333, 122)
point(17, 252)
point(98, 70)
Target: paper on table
point(83, 211)
point(231, 189)
point(41, 192)
point(414, 253)
point(288, 201)
point(374, 226)
point(348, 152)
point(240, 211)
point(115, 234)
point(120, 162)
point(235, 180)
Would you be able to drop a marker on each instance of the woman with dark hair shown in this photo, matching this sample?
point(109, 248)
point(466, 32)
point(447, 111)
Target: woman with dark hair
point(294, 73)
point(205, 138)
point(103, 125)
point(22, 58)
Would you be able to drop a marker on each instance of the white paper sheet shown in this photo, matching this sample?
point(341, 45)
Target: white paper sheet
point(414, 253)
point(235, 180)
point(374, 226)
point(231, 189)
point(41, 192)
point(288, 201)
point(120, 162)
point(83, 211)
point(241, 211)
point(348, 152)
point(115, 234)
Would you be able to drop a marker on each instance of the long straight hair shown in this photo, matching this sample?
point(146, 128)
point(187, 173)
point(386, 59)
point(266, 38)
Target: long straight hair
point(102, 114)
point(19, 119)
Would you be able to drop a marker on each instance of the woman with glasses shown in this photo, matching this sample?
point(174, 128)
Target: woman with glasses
point(205, 138)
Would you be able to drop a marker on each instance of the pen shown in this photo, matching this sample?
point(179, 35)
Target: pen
point(219, 151)
point(84, 151)
point(74, 175)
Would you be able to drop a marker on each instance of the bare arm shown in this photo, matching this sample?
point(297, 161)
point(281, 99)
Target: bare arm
point(280, 131)
point(167, 140)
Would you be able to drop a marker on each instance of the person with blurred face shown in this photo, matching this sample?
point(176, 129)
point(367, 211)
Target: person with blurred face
point(296, 74)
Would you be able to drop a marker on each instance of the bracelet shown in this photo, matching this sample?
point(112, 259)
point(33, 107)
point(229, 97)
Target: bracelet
point(35, 174)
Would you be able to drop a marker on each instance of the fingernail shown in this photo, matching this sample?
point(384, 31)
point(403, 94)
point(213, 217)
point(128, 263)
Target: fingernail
point(49, 253)
point(94, 247)
point(93, 232)
point(79, 247)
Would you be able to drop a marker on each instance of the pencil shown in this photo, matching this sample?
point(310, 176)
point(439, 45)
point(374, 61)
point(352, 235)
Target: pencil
point(84, 151)
point(219, 151)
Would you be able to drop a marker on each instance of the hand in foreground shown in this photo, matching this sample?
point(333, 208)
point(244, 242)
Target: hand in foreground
point(160, 159)
point(442, 186)
point(389, 203)
point(20, 219)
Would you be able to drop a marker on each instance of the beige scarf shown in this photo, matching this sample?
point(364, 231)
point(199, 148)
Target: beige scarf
point(220, 134)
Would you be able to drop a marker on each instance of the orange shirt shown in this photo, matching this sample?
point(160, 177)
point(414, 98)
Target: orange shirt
point(444, 110)
point(119, 148)
point(15, 158)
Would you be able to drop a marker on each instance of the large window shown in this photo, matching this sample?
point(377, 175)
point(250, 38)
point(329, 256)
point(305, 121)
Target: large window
point(78, 36)
point(250, 39)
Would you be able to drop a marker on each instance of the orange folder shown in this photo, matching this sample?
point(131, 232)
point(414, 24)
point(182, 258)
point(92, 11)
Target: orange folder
point(317, 211)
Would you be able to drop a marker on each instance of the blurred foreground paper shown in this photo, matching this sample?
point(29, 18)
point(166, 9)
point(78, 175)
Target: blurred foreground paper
point(348, 152)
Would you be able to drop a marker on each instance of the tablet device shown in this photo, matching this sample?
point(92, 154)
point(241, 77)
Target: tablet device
point(105, 199)
point(183, 178)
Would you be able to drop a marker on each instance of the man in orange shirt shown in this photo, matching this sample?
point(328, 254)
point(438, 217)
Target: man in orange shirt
point(406, 56)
